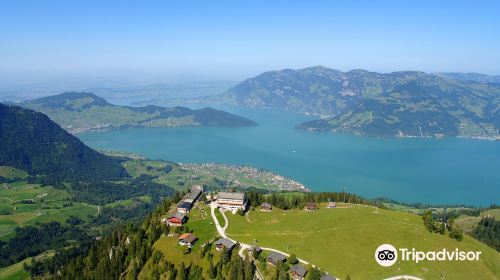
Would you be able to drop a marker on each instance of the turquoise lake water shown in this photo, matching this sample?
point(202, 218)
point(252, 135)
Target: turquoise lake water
point(438, 171)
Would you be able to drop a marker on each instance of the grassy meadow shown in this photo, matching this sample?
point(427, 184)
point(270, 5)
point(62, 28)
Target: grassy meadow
point(342, 241)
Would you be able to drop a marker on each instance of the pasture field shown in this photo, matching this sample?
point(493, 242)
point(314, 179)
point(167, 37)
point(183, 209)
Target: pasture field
point(27, 204)
point(15, 271)
point(467, 223)
point(342, 241)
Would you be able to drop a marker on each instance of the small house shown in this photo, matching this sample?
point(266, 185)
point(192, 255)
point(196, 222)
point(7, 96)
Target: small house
point(177, 219)
point(327, 276)
point(332, 204)
point(266, 207)
point(275, 258)
point(224, 243)
point(311, 206)
point(298, 272)
point(187, 239)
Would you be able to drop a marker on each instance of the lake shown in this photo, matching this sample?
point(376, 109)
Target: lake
point(437, 171)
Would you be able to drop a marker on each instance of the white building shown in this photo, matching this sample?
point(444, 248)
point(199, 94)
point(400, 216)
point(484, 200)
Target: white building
point(231, 201)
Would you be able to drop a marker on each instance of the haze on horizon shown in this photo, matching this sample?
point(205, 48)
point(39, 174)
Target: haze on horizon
point(228, 40)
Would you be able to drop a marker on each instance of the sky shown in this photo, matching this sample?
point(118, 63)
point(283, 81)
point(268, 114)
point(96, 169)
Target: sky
point(233, 40)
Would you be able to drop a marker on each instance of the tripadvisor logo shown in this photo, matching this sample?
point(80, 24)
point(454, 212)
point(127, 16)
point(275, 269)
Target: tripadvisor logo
point(387, 255)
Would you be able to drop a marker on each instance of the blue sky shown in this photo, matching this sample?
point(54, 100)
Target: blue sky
point(236, 39)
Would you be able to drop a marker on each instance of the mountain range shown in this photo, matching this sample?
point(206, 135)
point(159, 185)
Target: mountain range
point(406, 104)
point(81, 111)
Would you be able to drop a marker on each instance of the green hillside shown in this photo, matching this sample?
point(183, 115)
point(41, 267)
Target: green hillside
point(407, 103)
point(79, 112)
point(34, 143)
point(342, 241)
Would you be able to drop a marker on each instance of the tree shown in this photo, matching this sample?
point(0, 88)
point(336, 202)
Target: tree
point(450, 223)
point(428, 220)
point(441, 228)
point(293, 259)
point(212, 271)
point(182, 275)
point(240, 212)
point(225, 255)
point(313, 273)
point(457, 234)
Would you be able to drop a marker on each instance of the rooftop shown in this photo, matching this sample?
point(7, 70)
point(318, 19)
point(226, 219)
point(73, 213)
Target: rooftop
point(177, 215)
point(327, 276)
point(225, 242)
point(194, 193)
point(188, 237)
point(184, 204)
point(299, 270)
point(228, 195)
point(275, 257)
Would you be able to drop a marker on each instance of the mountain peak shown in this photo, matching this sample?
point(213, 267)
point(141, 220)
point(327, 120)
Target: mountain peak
point(71, 100)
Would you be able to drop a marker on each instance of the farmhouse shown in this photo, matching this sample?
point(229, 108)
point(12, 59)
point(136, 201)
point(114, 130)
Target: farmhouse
point(224, 243)
point(177, 219)
point(275, 258)
point(187, 239)
point(231, 201)
point(298, 272)
point(266, 207)
point(311, 206)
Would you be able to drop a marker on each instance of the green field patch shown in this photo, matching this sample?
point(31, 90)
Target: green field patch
point(201, 223)
point(12, 173)
point(342, 241)
point(17, 272)
point(14, 272)
point(128, 202)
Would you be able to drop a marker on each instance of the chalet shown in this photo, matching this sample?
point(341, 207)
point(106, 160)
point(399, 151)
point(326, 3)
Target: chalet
point(231, 201)
point(298, 272)
point(183, 207)
point(187, 239)
point(311, 206)
point(177, 219)
point(275, 258)
point(266, 207)
point(224, 243)
point(327, 276)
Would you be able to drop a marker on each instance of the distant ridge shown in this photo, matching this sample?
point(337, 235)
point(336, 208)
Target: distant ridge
point(82, 111)
point(404, 104)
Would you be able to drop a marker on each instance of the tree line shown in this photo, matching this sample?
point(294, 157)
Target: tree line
point(125, 252)
point(299, 200)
